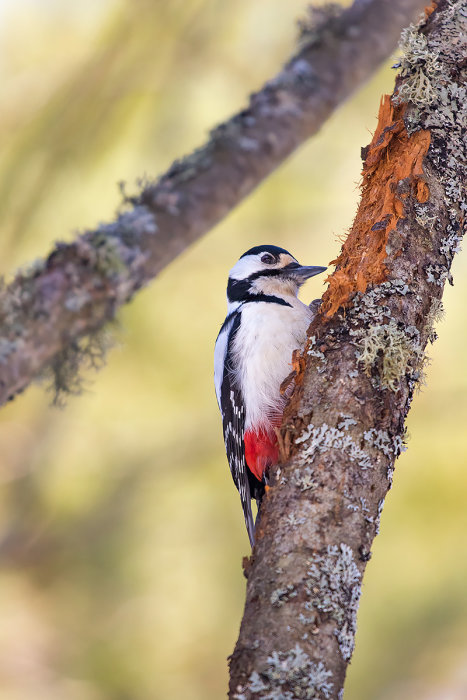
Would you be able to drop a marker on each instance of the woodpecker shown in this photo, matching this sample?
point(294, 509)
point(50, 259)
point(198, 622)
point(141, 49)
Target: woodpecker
point(265, 323)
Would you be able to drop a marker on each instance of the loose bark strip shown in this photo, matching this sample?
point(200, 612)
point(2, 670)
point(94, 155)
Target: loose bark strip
point(391, 157)
point(45, 311)
point(364, 358)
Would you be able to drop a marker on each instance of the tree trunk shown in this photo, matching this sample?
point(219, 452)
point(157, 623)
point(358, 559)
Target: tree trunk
point(344, 426)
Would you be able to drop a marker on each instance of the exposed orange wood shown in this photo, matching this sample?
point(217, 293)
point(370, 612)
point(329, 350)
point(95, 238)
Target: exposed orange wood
point(431, 8)
point(392, 156)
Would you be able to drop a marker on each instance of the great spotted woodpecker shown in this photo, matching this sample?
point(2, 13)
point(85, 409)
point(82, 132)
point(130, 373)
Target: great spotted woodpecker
point(265, 323)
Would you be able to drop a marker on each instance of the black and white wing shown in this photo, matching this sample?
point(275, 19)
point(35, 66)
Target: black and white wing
point(232, 407)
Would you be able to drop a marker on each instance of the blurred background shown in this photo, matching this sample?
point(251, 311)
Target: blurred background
point(121, 533)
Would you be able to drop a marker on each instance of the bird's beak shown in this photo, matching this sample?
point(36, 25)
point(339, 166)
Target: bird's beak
point(302, 272)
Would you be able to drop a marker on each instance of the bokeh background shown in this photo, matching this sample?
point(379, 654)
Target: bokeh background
point(121, 534)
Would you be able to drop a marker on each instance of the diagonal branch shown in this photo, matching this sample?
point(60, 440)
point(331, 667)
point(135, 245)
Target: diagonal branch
point(72, 293)
point(344, 427)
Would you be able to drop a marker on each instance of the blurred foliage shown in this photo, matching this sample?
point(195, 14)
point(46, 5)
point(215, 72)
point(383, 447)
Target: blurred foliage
point(121, 534)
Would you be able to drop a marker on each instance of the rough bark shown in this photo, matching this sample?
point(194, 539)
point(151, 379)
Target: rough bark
point(344, 427)
point(46, 310)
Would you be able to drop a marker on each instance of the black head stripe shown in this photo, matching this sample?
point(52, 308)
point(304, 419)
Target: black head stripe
point(239, 290)
point(269, 298)
point(275, 272)
point(273, 249)
point(265, 273)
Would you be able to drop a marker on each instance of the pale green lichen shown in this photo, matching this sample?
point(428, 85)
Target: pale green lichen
point(64, 374)
point(390, 446)
point(282, 595)
point(388, 349)
point(372, 307)
point(324, 437)
point(391, 348)
point(293, 521)
point(425, 216)
point(108, 255)
point(437, 274)
point(346, 422)
point(435, 314)
point(304, 479)
point(312, 351)
point(451, 244)
point(419, 66)
point(333, 587)
point(288, 675)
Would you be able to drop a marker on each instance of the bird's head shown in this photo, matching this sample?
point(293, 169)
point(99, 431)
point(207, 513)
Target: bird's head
point(267, 270)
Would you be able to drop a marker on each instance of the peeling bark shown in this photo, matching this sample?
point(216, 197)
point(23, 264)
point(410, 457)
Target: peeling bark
point(344, 426)
point(77, 289)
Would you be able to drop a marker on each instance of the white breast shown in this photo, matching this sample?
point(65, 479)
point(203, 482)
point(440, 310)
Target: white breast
point(262, 353)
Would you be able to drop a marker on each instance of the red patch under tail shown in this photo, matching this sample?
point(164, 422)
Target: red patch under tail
point(261, 451)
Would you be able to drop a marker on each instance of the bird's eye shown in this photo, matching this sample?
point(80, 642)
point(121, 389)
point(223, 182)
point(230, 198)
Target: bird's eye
point(268, 259)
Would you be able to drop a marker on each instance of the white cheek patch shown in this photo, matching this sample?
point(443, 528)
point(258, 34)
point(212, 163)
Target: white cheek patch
point(245, 267)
